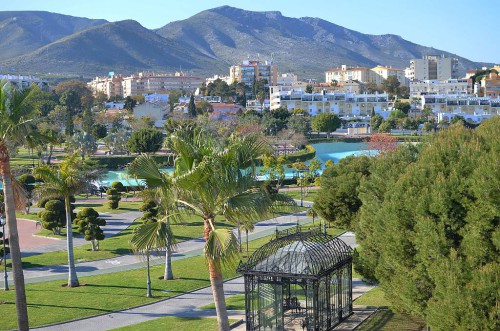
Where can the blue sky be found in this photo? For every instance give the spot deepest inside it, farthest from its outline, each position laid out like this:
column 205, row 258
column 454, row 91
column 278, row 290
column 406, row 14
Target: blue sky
column 466, row 28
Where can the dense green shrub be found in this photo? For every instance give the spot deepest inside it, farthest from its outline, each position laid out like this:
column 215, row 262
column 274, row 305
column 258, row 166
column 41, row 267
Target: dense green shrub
column 118, row 186
column 89, row 224
column 53, row 218
column 114, row 198
column 121, row 161
column 150, row 211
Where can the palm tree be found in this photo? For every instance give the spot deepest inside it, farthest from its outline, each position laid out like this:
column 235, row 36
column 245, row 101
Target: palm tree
column 156, row 235
column 68, row 179
column 210, row 183
column 16, row 128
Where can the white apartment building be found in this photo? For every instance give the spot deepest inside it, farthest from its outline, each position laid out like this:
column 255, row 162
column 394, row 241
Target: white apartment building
column 144, row 83
column 111, row 85
column 433, row 67
column 22, row 82
column 346, row 72
column 249, row 71
column 364, row 75
column 450, row 86
column 287, row 79
column 461, row 104
column 381, row 73
column 344, row 104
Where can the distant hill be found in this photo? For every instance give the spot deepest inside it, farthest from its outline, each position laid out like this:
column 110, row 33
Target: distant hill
column 303, row 45
column 25, row 31
column 123, row 47
column 206, row 43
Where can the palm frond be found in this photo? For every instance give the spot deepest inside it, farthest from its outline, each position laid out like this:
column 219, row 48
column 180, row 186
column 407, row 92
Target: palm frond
column 221, row 249
column 156, row 236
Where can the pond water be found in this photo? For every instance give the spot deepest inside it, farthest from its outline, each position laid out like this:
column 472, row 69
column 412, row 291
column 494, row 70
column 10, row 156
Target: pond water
column 334, row 151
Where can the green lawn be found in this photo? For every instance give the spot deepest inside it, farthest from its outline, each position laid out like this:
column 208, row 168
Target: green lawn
column 235, row 302
column 175, row 323
column 386, row 319
column 51, row 302
column 307, row 196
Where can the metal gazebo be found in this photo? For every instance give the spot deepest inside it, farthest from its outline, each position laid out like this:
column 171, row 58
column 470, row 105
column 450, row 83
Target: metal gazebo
column 298, row 281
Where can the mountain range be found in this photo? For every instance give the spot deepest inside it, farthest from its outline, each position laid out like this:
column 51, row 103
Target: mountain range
column 204, row 44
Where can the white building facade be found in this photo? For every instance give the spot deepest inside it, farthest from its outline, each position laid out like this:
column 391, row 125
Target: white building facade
column 433, row 67
column 344, row 104
column 470, row 107
column 450, row 86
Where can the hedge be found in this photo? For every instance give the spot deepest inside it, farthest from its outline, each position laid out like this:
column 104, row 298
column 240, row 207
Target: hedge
column 121, row 161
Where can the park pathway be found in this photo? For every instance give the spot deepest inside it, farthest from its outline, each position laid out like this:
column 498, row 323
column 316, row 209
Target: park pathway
column 115, row 223
column 185, row 305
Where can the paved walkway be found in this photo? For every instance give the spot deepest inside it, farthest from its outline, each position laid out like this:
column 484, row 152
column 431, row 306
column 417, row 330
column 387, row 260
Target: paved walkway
column 184, row 249
column 184, row 305
column 33, row 245
column 181, row 306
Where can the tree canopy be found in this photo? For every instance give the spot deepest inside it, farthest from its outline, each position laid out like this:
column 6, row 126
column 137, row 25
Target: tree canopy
column 145, row 141
column 325, row 122
column 429, row 228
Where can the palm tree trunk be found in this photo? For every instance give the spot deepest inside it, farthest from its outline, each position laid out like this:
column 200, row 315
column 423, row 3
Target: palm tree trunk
column 72, row 277
column 15, row 251
column 217, row 288
column 168, row 274
column 238, row 227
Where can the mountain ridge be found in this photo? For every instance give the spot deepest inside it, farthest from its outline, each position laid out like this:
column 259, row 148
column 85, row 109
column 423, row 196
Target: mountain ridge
column 206, row 43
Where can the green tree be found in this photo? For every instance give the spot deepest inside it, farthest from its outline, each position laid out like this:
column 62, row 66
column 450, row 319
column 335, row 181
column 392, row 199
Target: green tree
column 99, row 130
column 156, row 234
column 192, row 107
column 376, row 121
column 53, row 218
column 391, row 85
column 325, row 122
column 211, row 183
column 28, row 182
column 337, row 200
column 145, row 141
column 428, row 127
column 69, row 179
column 84, row 143
column 88, row 120
column 17, row 114
column 89, row 224
column 309, row 88
column 130, row 104
column 117, row 141
column 114, row 196
column 404, row 106
column 429, row 231
column 426, row 113
column 299, row 124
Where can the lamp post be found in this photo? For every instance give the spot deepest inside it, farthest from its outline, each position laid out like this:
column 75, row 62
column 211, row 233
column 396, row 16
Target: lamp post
column 3, row 220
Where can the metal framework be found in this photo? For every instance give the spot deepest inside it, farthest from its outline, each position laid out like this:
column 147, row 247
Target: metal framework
column 298, row 281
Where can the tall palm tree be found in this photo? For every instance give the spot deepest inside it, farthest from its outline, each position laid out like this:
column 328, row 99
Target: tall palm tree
column 210, row 183
column 68, row 179
column 156, row 235
column 16, row 127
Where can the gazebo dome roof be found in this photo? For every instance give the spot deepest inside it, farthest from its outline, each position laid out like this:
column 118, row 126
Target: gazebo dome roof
column 299, row 253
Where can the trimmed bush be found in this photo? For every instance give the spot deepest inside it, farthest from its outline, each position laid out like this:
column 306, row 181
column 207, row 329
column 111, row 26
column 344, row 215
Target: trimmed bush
column 53, row 218
column 118, row 186
column 89, row 224
column 114, row 198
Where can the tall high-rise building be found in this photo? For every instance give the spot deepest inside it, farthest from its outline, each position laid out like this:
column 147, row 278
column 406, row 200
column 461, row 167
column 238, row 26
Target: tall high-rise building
column 249, row 71
column 433, row 67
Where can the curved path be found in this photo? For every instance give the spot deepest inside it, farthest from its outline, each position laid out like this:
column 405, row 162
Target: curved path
column 184, row 305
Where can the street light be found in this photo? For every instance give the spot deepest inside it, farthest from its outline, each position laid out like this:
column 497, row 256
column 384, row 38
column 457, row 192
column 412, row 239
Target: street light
column 5, row 283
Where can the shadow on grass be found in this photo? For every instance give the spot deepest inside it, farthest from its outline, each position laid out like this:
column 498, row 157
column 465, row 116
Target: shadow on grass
column 36, row 305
